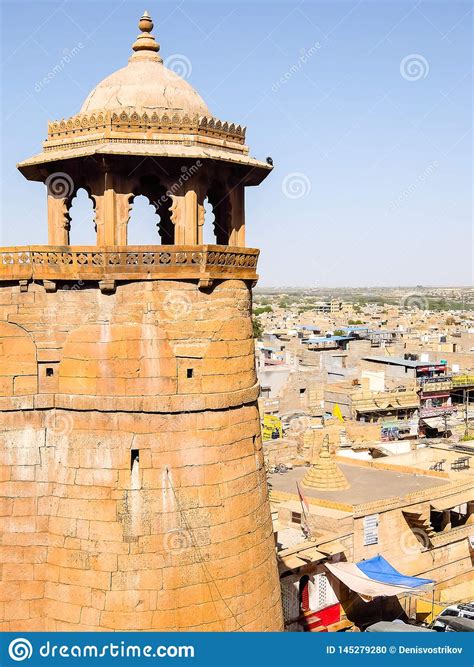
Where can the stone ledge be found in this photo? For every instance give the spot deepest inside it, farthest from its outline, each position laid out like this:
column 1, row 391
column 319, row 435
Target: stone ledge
column 153, row 404
column 453, row 535
column 97, row 263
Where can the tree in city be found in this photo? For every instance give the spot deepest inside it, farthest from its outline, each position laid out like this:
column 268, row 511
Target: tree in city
column 257, row 328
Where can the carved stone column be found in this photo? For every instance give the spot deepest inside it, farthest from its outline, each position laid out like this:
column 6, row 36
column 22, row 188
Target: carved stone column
column 122, row 208
column 201, row 187
column 187, row 209
column 58, row 220
column 112, row 208
column 191, row 215
column 237, row 206
column 106, row 212
column 178, row 215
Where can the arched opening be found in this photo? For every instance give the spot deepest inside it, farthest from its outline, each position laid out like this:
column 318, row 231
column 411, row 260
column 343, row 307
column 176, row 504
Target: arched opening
column 150, row 216
column 208, row 231
column 82, row 227
column 143, row 224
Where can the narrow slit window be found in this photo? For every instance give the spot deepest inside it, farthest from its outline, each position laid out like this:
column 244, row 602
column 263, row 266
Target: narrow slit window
column 135, row 470
column 189, row 373
column 134, row 458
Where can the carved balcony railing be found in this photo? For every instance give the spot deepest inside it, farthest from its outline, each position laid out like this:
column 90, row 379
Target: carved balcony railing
column 435, row 384
column 200, row 262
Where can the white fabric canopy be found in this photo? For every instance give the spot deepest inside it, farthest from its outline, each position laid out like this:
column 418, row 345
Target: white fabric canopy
column 360, row 583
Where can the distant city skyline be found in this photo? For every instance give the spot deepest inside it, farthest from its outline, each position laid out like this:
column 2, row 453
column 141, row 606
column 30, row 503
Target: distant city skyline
column 364, row 107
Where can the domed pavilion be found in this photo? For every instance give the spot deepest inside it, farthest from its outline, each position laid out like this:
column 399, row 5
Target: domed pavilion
column 144, row 130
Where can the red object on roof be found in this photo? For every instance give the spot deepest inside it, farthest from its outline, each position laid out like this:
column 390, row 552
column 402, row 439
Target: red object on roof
column 318, row 621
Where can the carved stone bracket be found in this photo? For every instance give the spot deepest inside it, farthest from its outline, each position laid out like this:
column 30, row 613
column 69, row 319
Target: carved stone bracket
column 107, row 286
column 50, row 286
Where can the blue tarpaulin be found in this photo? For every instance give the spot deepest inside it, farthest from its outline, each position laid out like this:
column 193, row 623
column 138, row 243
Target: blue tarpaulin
column 379, row 569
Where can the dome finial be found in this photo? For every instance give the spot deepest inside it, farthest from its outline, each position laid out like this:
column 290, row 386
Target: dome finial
column 146, row 23
column 145, row 44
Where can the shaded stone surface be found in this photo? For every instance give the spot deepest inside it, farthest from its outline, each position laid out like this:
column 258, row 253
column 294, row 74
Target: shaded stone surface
column 182, row 541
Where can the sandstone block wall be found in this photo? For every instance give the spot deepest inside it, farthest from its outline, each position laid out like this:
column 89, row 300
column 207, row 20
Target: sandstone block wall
column 401, row 547
column 132, row 488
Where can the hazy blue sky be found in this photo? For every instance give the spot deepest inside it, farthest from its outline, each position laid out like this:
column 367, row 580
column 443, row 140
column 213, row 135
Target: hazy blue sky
column 365, row 108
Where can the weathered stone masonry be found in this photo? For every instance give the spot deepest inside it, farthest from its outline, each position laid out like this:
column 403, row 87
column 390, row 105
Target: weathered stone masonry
column 132, row 489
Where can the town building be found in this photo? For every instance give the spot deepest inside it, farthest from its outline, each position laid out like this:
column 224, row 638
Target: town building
column 416, row 514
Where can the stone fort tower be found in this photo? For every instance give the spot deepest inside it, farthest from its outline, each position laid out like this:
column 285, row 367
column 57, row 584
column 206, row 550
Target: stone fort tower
column 133, row 491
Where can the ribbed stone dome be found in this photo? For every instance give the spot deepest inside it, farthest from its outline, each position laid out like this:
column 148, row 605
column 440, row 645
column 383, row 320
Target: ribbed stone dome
column 145, row 84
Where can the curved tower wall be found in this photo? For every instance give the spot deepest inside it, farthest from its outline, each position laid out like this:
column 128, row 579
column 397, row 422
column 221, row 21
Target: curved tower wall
column 133, row 492
column 132, row 489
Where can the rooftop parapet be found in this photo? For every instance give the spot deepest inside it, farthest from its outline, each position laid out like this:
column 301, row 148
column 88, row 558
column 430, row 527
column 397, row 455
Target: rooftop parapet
column 204, row 263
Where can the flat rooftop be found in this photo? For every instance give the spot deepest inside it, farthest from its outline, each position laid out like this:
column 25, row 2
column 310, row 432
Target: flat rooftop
column 400, row 361
column 366, row 484
column 424, row 457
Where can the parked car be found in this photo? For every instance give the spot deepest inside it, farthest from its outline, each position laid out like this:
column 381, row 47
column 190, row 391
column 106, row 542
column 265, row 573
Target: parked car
column 395, row 626
column 460, row 625
column 453, row 611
